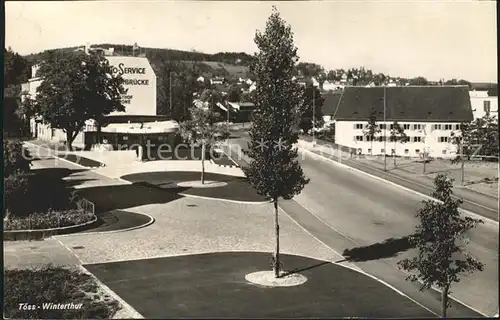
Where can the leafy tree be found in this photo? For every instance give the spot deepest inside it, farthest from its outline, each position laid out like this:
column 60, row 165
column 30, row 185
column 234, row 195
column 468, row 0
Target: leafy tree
column 274, row 171
column 77, row 87
column 372, row 128
column 485, row 133
column 26, row 111
column 306, row 119
column 441, row 258
column 202, row 130
column 419, row 81
column 234, row 93
column 397, row 135
column 463, row 140
column 16, row 158
column 493, row 90
column 461, row 82
column 15, row 191
column 308, row 69
column 211, row 98
column 331, row 76
column 16, row 68
column 16, row 163
column 182, row 88
column 248, row 96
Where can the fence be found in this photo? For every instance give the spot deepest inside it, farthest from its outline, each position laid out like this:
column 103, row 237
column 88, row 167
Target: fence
column 332, row 145
column 88, row 206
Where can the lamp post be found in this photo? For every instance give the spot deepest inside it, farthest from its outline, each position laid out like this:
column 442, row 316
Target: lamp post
column 314, row 114
column 228, row 132
column 385, row 132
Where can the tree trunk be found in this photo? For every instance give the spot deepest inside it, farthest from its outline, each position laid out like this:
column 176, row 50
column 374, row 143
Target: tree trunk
column 202, row 163
column 462, row 181
column 276, row 266
column 394, row 155
column 444, row 301
column 371, row 146
column 69, row 140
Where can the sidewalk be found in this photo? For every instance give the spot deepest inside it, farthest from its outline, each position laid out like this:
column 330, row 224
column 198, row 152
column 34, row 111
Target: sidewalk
column 28, row 254
column 473, row 180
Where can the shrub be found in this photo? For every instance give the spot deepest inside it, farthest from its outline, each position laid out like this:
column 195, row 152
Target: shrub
column 16, row 158
column 15, row 190
column 48, row 220
column 54, row 285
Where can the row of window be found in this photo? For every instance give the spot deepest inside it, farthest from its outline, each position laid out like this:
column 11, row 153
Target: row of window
column 407, row 151
column 385, row 138
column 413, row 127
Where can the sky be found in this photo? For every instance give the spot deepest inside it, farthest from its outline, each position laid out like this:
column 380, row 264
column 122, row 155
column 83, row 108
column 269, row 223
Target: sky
column 435, row 39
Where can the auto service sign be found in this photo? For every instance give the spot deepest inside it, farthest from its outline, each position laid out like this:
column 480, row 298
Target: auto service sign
column 139, row 84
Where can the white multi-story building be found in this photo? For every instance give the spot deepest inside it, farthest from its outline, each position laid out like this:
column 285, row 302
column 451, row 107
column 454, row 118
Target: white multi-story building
column 482, row 104
column 430, row 116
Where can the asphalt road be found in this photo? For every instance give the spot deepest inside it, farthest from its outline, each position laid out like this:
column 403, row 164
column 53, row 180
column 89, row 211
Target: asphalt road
column 364, row 211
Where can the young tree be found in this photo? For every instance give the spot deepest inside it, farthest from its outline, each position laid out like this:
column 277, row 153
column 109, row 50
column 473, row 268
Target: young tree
column 275, row 172
column 211, row 97
column 397, row 135
column 441, row 258
column 312, row 100
column 203, row 130
column 463, row 140
column 77, row 87
column 372, row 128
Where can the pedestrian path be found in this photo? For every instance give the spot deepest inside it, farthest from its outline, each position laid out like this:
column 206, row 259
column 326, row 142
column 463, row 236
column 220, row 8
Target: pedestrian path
column 28, row 254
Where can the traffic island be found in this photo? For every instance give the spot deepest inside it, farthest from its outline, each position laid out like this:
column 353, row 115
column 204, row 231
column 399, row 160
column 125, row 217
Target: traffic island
column 188, row 183
column 268, row 279
column 214, row 285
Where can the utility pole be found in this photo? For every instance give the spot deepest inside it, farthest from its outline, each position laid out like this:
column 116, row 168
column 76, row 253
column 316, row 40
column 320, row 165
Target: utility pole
column 385, row 132
column 228, row 132
column 425, row 152
column 462, row 173
column 314, row 114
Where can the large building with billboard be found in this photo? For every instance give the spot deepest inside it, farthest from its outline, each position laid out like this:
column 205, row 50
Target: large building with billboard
column 138, row 97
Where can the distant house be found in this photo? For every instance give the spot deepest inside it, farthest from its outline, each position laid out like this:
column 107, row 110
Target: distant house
column 249, row 82
column 218, row 80
column 200, row 79
column 483, row 104
column 315, row 82
column 253, row 87
column 332, row 86
column 428, row 114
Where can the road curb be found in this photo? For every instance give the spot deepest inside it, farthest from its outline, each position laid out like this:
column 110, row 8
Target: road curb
column 53, row 154
column 224, row 200
column 467, row 212
column 132, row 312
column 150, row 222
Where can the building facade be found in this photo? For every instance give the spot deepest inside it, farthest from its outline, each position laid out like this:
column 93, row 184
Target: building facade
column 138, row 96
column 430, row 116
column 483, row 104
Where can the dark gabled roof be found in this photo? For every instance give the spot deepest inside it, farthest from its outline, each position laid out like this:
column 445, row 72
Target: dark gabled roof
column 331, row 103
column 410, row 103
